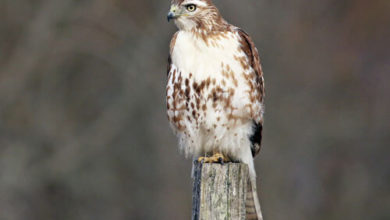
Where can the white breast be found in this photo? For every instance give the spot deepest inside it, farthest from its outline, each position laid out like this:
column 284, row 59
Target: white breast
column 192, row 54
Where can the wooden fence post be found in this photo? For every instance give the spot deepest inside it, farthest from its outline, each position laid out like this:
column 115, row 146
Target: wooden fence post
column 220, row 191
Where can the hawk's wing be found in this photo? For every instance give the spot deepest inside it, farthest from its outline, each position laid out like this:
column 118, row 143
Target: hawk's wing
column 252, row 54
column 171, row 46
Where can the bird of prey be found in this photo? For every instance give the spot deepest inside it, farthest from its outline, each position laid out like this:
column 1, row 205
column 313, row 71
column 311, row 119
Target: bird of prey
column 215, row 88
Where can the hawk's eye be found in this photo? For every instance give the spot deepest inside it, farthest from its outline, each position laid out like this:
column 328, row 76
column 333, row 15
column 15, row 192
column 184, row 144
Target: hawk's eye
column 191, row 7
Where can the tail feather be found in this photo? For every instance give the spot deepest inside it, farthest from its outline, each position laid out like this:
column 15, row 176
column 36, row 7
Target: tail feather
column 252, row 204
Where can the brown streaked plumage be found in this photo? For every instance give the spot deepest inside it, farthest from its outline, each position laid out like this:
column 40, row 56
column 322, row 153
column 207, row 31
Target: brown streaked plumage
column 215, row 89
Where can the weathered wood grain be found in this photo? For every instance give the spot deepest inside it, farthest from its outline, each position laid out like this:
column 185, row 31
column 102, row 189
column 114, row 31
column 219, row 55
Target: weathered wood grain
column 219, row 191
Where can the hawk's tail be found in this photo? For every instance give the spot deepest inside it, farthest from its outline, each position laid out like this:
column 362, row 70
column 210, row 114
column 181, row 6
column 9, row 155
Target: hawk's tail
column 252, row 204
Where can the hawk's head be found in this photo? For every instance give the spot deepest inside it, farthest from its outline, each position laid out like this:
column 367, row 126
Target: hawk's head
column 195, row 14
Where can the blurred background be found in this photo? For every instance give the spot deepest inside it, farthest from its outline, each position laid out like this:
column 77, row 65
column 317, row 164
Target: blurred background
column 83, row 130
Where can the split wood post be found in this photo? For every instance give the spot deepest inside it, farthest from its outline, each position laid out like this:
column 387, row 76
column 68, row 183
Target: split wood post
column 219, row 191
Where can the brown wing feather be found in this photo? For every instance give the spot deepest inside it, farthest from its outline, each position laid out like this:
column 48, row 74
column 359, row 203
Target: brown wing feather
column 248, row 46
column 171, row 46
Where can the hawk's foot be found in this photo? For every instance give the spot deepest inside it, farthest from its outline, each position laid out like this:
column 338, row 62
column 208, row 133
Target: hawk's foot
column 216, row 158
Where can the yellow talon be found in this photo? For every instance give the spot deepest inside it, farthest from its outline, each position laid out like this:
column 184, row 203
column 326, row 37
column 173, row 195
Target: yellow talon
column 216, row 158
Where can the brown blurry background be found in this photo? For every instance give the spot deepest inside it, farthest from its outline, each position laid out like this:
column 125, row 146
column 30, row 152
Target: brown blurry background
column 83, row 131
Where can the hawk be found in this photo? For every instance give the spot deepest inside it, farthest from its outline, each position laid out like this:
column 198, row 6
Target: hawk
column 215, row 88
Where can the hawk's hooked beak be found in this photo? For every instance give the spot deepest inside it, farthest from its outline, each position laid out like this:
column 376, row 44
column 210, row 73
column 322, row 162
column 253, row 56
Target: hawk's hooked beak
column 172, row 13
column 170, row 16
